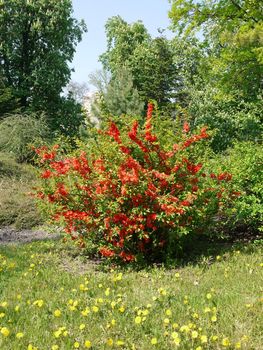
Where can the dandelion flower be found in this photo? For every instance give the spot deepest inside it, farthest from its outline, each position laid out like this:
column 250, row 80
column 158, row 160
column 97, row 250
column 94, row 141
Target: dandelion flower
column 57, row 313
column 154, row 341
column 109, row 342
column 194, row 334
column 5, row 331
column 138, row 320
column 88, row 344
column 19, row 335
column 225, row 342
column 203, row 339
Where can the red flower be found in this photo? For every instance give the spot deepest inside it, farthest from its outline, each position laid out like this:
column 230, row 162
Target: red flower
column 186, row 127
column 114, row 132
column 46, row 174
column 104, row 251
column 127, row 257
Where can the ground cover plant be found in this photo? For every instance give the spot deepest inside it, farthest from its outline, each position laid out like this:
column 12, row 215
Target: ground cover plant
column 49, row 300
column 133, row 196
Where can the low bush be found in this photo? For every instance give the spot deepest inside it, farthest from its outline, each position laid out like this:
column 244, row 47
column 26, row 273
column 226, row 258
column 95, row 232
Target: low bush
column 130, row 195
column 245, row 162
column 16, row 206
column 19, row 133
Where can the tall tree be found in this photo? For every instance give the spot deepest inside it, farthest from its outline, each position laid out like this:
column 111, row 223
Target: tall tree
column 150, row 61
column 37, row 41
column 233, row 33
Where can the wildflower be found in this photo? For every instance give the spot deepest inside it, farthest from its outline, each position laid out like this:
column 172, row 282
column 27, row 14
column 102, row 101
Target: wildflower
column 120, row 343
column 88, row 344
column 214, row 318
column 203, row 339
column 199, row 348
column 168, row 312
column 194, row 334
column 38, row 303
column 95, row 309
column 54, row 347
column 82, row 326
column 214, row 338
column 76, row 345
column 185, row 329
column 174, row 335
column 19, row 335
column 57, row 313
column 5, row 331
column 154, row 341
column 109, row 342
column 225, row 342
column 166, row 321
column 138, row 320
column 238, row 345
column 208, row 296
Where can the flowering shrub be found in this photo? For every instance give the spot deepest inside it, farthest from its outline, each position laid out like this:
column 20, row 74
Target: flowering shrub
column 136, row 197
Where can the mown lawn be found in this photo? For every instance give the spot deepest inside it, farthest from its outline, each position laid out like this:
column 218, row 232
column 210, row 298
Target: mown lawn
column 50, row 300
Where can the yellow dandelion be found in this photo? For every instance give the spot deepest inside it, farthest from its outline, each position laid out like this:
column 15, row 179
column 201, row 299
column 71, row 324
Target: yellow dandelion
column 76, row 345
column 19, row 335
column 95, row 309
column 110, row 342
column 88, row 344
column 174, row 335
column 82, row 326
column 194, row 334
column 208, row 296
column 168, row 312
column 2, row 314
column 214, row 318
column 199, row 348
column 57, row 313
column 225, row 342
column 238, row 345
column 5, row 331
column 214, row 338
column 154, row 341
column 54, row 347
column 138, row 320
column 166, row 321
column 122, row 309
column 203, row 339
column 85, row 312
column 120, row 342
column 177, row 275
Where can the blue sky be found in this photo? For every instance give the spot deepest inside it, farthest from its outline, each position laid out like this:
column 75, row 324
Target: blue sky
column 153, row 13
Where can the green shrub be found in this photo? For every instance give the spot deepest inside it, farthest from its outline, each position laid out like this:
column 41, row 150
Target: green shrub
column 245, row 162
column 19, row 132
column 16, row 206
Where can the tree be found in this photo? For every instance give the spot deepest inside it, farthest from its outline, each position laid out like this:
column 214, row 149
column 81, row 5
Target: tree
column 150, row 61
column 77, row 91
column 117, row 96
column 37, row 41
column 233, row 32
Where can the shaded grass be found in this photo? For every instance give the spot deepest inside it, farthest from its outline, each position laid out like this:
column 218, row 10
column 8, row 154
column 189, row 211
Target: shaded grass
column 217, row 296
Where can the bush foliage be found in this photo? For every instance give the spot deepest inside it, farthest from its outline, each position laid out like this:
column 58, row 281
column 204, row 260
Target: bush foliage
column 133, row 197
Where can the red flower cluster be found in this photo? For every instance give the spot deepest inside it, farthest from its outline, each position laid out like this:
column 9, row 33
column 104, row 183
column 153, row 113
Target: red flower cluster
column 127, row 207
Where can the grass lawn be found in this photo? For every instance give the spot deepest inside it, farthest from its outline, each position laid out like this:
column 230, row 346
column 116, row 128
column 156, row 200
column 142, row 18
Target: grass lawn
column 51, row 300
